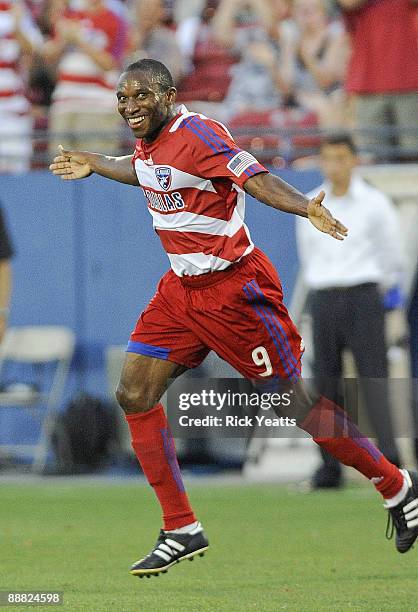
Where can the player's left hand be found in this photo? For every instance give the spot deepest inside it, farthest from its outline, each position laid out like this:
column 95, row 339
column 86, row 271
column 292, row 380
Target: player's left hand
column 322, row 219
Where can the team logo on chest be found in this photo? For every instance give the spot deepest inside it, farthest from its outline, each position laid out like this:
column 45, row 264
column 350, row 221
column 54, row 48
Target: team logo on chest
column 164, row 177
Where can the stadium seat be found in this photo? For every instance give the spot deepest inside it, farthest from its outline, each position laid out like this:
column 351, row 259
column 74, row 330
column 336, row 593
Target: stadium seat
column 273, row 133
column 45, row 351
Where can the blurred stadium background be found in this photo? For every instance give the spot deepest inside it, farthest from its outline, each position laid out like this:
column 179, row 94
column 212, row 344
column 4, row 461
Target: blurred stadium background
column 279, row 73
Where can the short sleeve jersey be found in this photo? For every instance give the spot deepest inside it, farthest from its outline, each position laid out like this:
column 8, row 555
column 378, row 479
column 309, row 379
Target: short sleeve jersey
column 193, row 178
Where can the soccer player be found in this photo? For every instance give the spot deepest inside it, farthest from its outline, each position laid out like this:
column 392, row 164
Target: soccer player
column 221, row 294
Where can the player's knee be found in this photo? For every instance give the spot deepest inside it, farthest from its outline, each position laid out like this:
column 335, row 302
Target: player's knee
column 134, row 399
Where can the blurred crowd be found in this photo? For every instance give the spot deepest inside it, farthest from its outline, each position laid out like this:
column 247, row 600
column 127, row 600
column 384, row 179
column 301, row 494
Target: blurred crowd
column 262, row 66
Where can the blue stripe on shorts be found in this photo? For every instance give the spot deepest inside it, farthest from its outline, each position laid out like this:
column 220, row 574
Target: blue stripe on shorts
column 148, row 350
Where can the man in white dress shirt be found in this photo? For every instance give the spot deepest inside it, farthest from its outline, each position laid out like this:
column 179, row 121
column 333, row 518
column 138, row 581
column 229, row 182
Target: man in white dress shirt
column 347, row 284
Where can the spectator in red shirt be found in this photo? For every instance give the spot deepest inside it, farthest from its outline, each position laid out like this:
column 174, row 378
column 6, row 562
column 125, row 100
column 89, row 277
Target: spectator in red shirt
column 383, row 71
column 89, row 45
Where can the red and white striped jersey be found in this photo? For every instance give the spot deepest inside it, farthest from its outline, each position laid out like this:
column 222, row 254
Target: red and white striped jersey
column 80, row 79
column 193, row 176
column 12, row 96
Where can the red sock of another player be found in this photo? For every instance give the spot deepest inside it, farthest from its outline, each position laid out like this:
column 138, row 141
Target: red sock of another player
column 154, row 446
column 333, row 430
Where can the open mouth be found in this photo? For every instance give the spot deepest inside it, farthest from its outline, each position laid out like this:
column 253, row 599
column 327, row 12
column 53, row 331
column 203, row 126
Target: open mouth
column 135, row 122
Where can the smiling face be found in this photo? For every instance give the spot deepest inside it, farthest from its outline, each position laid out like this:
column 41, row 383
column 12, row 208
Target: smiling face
column 144, row 103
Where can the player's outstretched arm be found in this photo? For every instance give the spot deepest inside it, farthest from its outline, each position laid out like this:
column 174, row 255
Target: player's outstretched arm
column 72, row 165
column 271, row 190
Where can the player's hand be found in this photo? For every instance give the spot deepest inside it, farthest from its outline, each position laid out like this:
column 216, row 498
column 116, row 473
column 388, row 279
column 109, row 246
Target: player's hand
column 71, row 165
column 322, row 219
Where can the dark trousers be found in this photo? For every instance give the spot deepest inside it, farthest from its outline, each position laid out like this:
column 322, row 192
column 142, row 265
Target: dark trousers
column 353, row 318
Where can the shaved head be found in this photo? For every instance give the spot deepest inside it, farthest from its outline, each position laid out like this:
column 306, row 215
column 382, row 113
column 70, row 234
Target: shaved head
column 157, row 72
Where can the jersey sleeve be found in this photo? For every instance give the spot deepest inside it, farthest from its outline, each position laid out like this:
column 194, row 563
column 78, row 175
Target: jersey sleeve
column 216, row 155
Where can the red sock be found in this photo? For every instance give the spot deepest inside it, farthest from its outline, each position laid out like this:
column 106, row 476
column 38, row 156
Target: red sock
column 154, row 446
column 333, row 430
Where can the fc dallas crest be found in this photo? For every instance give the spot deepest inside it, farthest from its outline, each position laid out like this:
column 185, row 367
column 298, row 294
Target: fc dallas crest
column 164, row 177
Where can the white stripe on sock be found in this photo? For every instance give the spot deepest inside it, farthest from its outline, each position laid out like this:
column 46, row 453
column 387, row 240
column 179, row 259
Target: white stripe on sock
column 186, row 529
column 196, row 530
column 394, row 501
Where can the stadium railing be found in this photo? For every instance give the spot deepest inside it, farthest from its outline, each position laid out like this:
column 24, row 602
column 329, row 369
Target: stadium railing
column 279, row 145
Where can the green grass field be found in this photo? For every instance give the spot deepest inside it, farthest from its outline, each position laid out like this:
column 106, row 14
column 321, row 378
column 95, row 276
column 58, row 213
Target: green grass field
column 271, row 549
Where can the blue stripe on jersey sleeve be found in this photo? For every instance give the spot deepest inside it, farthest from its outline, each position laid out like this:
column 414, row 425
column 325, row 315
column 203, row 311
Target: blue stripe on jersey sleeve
column 211, row 139
column 255, row 168
column 210, row 144
column 148, row 350
column 215, row 142
column 204, row 127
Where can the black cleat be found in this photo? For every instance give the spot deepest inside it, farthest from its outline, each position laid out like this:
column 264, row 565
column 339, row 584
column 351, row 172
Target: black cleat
column 327, row 477
column 169, row 549
column 403, row 518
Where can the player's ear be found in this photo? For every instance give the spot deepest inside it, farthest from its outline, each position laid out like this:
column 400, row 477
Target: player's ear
column 171, row 95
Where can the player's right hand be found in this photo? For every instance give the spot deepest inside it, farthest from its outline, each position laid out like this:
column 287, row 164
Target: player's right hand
column 71, row 165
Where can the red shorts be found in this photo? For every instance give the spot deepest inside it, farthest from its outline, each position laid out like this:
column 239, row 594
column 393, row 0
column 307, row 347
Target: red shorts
column 238, row 313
